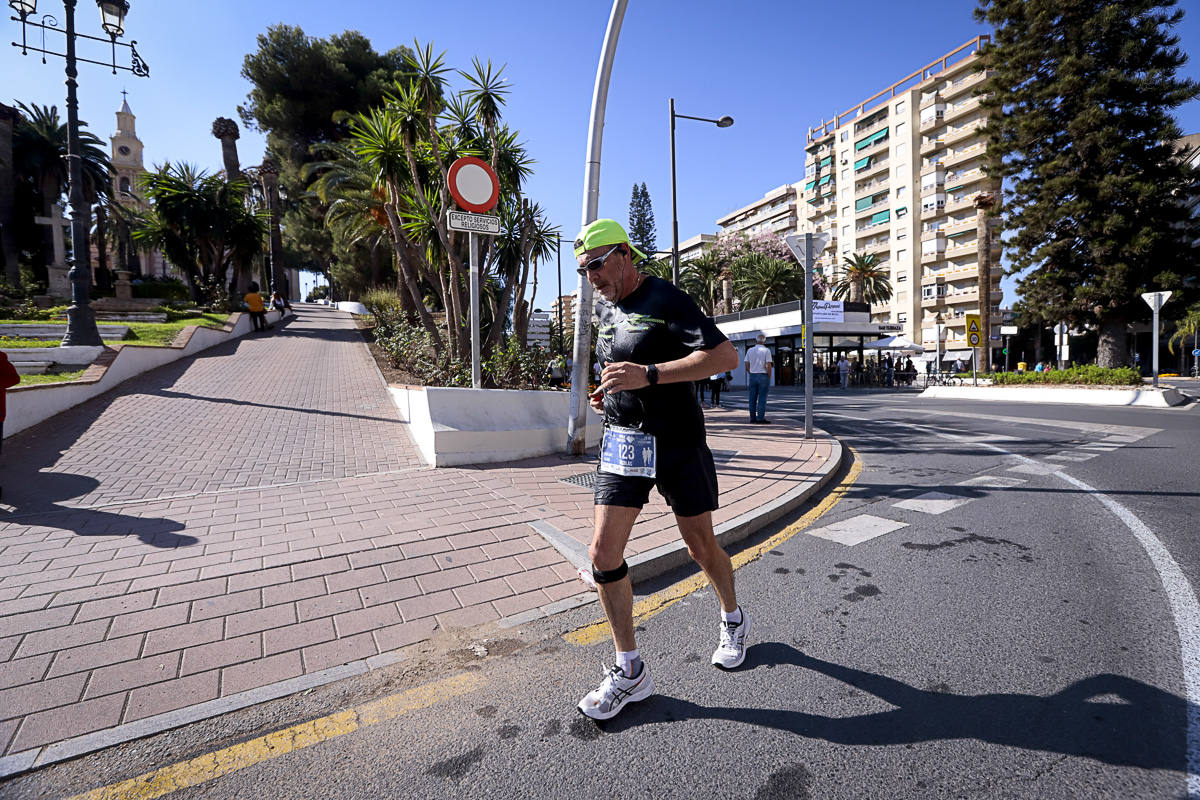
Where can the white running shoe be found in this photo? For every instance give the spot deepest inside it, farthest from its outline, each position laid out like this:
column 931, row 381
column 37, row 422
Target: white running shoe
column 731, row 651
column 615, row 691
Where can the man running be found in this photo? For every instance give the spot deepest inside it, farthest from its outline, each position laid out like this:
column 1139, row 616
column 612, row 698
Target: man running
column 653, row 343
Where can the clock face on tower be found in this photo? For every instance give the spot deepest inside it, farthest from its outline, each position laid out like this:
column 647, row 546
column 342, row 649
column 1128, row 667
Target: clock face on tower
column 123, row 150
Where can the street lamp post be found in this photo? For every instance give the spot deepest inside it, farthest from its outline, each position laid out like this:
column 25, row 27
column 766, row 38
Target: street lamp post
column 81, row 320
column 939, row 321
column 723, row 122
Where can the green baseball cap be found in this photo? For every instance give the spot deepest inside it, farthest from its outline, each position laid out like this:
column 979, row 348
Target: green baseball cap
column 601, row 232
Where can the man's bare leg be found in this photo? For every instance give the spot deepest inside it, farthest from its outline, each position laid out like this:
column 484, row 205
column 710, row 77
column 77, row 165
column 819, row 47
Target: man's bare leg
column 698, row 535
column 613, row 524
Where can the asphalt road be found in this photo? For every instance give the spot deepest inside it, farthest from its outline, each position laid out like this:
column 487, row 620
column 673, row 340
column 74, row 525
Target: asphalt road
column 998, row 632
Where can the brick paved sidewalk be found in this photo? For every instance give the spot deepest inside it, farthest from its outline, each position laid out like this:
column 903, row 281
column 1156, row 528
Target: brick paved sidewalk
column 258, row 513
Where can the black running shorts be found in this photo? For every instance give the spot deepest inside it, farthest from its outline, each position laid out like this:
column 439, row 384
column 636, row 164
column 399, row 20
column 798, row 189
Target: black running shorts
column 687, row 480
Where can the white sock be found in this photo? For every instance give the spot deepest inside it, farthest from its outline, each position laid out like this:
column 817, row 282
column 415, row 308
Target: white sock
column 629, row 662
column 733, row 617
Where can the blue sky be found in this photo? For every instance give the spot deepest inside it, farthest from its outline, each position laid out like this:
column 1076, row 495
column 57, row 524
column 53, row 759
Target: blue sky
column 772, row 64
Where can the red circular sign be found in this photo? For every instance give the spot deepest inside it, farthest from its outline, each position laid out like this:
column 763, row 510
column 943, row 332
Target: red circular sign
column 474, row 184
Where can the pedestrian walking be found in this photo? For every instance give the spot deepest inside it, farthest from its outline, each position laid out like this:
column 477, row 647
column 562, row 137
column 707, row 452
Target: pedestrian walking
column 758, row 368
column 715, row 384
column 256, row 307
column 654, row 343
column 8, row 379
column 844, row 370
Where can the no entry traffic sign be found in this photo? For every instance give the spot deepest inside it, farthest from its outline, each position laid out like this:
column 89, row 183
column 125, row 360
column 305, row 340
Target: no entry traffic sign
column 473, row 184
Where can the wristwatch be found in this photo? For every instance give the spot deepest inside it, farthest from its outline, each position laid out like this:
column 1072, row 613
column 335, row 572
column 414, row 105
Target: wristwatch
column 652, row 374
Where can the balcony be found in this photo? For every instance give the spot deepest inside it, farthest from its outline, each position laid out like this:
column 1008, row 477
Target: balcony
column 873, row 167
column 930, row 145
column 960, row 201
column 869, row 126
column 966, row 177
column 879, row 146
column 933, row 181
column 959, row 225
column 870, row 187
column 871, row 209
column 964, row 84
column 880, row 245
column 932, row 256
column 963, row 132
column 965, row 154
column 958, row 110
column 934, row 121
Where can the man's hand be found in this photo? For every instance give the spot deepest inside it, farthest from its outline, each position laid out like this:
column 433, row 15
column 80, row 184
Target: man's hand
column 623, row 376
column 596, row 401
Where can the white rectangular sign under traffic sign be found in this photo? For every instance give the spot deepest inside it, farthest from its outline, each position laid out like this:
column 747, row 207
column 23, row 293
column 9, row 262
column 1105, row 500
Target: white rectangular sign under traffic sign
column 1009, row 330
column 473, row 223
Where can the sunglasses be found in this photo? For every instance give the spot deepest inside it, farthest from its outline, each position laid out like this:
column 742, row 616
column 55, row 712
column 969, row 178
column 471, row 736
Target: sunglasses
column 597, row 262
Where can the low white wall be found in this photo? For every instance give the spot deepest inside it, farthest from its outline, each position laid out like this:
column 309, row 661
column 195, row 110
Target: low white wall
column 452, row 426
column 29, row 405
column 75, row 356
column 353, row 307
column 1161, row 398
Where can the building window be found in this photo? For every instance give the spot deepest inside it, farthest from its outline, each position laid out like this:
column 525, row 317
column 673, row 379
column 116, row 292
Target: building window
column 125, row 185
column 901, row 277
column 845, row 176
column 902, row 317
column 901, row 255
column 901, row 149
column 899, row 129
column 900, row 107
column 845, row 135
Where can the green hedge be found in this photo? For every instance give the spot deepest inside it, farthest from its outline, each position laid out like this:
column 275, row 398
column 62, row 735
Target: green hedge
column 1089, row 375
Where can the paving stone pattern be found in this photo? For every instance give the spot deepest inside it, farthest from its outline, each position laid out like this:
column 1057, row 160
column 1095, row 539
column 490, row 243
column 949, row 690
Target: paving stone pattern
column 259, row 512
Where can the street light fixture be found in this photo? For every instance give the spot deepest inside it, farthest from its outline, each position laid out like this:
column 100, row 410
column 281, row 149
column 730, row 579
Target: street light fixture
column 723, row 122
column 939, row 321
column 81, row 320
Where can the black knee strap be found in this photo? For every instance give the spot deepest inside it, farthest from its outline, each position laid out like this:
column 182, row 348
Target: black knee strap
column 610, row 575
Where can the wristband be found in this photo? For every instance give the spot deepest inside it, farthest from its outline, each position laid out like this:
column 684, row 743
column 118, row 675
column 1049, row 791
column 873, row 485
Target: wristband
column 652, row 374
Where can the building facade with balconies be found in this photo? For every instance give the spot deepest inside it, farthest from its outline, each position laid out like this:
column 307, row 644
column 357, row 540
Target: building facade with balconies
column 775, row 213
column 897, row 176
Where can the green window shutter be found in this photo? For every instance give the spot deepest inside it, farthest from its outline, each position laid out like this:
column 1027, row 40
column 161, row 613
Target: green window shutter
column 810, row 184
column 862, row 162
column 882, row 216
column 825, row 180
column 956, row 188
column 826, row 161
column 861, row 204
column 880, row 196
column 878, row 136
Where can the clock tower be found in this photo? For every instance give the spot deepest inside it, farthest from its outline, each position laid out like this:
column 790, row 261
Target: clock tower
column 126, row 157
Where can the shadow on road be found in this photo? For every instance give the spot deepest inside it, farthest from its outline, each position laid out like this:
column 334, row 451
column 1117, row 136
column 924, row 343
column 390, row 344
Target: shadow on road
column 1108, row 718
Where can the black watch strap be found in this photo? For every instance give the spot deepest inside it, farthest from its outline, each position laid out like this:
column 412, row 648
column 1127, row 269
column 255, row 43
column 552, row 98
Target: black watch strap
column 652, row 374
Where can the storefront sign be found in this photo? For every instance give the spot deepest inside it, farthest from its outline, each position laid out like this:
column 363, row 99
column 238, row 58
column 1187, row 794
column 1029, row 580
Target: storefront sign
column 828, row 311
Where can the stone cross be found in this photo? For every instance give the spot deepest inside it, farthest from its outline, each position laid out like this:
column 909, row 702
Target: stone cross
column 57, row 272
column 59, row 224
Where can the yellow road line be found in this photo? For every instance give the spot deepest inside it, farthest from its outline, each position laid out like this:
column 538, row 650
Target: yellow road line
column 239, row 756
column 647, row 607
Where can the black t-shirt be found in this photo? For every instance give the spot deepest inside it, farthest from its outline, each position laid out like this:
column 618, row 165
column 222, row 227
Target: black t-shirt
column 654, row 324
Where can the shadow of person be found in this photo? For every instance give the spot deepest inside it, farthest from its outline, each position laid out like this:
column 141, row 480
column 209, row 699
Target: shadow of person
column 38, row 502
column 1109, row 718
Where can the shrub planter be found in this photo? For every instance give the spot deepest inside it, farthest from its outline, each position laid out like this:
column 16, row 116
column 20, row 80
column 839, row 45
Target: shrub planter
column 453, row 426
column 1052, row 393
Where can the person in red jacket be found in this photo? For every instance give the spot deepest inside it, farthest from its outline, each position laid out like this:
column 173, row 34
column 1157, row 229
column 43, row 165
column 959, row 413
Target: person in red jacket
column 8, row 377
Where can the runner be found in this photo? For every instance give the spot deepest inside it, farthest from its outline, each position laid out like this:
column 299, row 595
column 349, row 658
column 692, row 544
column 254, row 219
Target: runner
column 653, row 343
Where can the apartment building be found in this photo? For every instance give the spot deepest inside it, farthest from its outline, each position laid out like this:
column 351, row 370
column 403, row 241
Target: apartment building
column 897, row 176
column 565, row 306
column 775, row 213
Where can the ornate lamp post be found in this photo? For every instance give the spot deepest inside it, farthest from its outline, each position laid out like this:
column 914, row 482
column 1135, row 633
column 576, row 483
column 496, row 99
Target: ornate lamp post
column 269, row 173
column 723, row 122
column 81, row 320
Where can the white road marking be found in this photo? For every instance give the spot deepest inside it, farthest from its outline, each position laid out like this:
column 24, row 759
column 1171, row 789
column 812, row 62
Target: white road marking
column 933, row 502
column 1035, row 468
column 992, row 482
column 1072, row 456
column 857, row 530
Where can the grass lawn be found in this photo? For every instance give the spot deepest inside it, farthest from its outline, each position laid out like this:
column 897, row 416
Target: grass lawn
column 28, row 380
column 146, row 333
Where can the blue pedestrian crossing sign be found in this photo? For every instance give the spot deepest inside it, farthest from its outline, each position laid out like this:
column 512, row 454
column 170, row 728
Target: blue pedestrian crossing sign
column 1196, row 352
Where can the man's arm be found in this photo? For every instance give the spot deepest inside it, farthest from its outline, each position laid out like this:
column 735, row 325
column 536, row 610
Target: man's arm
column 625, row 375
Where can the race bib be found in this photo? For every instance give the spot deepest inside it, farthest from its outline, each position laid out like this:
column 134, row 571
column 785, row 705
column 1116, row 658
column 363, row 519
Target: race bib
column 625, row 451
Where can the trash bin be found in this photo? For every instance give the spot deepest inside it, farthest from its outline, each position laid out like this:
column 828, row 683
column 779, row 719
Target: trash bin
column 1022, row 366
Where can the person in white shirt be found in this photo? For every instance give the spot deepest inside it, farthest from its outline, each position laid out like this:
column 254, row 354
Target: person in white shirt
column 844, row 371
column 758, row 369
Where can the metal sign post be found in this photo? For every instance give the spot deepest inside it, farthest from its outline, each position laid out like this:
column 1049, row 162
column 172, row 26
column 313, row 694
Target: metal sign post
column 805, row 249
column 475, row 187
column 1156, row 300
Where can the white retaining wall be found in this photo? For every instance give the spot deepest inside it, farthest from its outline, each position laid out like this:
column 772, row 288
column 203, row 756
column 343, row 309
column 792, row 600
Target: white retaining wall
column 453, row 426
column 29, row 405
column 1161, row 398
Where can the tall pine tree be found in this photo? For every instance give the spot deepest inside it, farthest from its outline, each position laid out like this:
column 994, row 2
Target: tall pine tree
column 1081, row 93
column 641, row 221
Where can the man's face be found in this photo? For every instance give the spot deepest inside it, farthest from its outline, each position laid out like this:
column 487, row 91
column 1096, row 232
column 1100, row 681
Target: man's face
column 610, row 279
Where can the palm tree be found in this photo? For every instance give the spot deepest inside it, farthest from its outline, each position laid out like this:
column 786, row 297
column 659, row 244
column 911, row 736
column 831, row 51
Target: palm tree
column 760, row 280
column 1188, row 326
column 200, row 222
column 39, row 156
column 701, row 279
column 863, row 280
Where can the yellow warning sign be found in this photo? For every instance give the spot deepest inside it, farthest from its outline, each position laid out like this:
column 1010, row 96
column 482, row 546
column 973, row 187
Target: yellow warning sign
column 974, row 339
column 973, row 324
